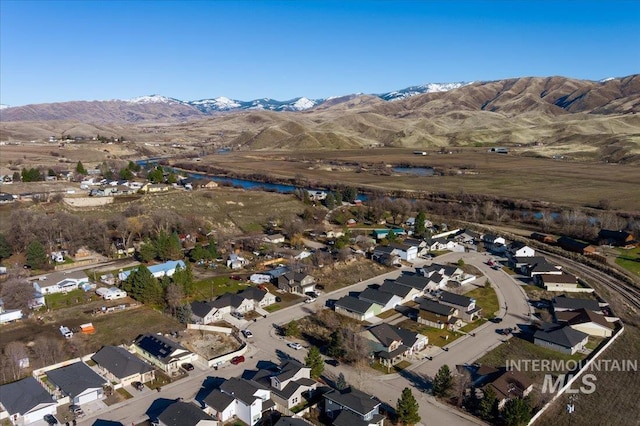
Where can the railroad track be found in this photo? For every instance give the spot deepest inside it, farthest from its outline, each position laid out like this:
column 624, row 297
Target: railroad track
column 627, row 291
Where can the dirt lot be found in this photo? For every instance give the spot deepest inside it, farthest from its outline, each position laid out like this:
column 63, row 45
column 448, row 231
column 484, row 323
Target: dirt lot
column 208, row 344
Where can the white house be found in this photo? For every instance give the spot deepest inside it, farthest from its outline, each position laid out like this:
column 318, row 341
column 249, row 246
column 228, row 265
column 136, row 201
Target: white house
column 405, row 251
column 60, row 282
column 586, row 321
column 26, row 401
column 251, row 401
column 561, row 338
column 235, row 261
column 163, row 269
column 111, row 293
column 518, row 249
column 162, row 352
column 9, row 315
column 78, row 381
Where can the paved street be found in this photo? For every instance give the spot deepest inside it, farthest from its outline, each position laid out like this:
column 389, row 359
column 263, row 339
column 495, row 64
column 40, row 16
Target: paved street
column 267, row 345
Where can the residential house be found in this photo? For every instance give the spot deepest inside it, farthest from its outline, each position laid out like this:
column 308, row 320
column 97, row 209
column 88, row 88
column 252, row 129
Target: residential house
column 385, row 255
column 205, row 312
column 273, row 239
column 356, row 407
column 616, row 238
column 290, row 384
column 26, row 401
column 121, row 366
column 415, row 281
column 569, row 244
column 560, row 338
column 9, row 315
column 406, row 293
column 437, row 315
column 509, row 385
column 436, row 244
column 252, row 400
column 236, row 261
column 296, row 282
column 543, row 238
column 154, row 188
column 390, row 345
column 260, row 298
column 316, row 195
column 291, row 421
column 221, row 406
column 60, row 282
column 535, row 265
column 405, row 251
column 260, row 278
column 180, row 413
column 162, row 352
column 557, row 282
column 163, row 269
column 494, row 243
column 355, row 308
column 414, row 341
column 586, row 321
column 111, row 293
column 420, row 244
column 385, row 300
column 518, row 249
column 230, row 302
column 379, row 234
column 466, row 306
column 78, row 381
column 564, row 303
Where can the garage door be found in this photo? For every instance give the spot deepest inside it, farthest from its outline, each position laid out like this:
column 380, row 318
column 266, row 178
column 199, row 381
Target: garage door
column 87, row 397
column 36, row 415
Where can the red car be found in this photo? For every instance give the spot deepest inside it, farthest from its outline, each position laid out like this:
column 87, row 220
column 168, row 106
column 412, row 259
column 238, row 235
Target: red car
column 237, row 360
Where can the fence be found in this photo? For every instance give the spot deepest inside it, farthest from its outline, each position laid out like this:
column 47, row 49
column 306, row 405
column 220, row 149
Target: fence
column 217, row 329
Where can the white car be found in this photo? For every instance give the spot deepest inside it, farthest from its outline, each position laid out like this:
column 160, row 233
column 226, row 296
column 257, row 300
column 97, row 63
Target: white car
column 247, row 333
column 310, row 300
column 294, row 345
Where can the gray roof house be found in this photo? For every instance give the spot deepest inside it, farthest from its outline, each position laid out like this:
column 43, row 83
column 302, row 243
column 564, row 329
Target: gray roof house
column 181, row 413
column 289, row 384
column 121, row 366
column 26, row 401
column 437, row 315
column 563, row 303
column 252, row 399
column 78, row 381
column 355, row 308
column 560, row 338
column 405, row 293
column 162, row 352
column 466, row 305
column 386, row 300
column 295, row 282
column 362, row 406
column 391, row 345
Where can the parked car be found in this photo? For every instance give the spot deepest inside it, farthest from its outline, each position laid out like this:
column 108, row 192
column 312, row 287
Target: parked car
column 237, row 360
column 247, row 333
column 236, row 277
column 238, row 315
column 76, row 410
column 188, row 366
column 50, row 419
column 294, row 345
column 333, row 362
column 309, row 300
column 312, row 294
column 138, row 385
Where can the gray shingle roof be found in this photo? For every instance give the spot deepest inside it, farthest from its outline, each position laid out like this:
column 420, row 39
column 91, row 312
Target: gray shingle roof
column 120, row 362
column 394, row 288
column 228, row 299
column 183, row 414
column 385, row 334
column 290, row 421
column 201, row 309
column 242, row 389
column 561, row 336
column 253, row 293
column 455, row 299
column 24, row 395
column 218, row 400
column 354, row 400
column 564, row 302
column 75, row 378
column 347, row 418
column 375, row 296
column 418, row 282
column 353, row 304
column 435, row 307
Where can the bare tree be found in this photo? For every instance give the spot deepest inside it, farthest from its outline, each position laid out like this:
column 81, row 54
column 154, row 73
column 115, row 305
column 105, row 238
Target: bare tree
column 174, row 297
column 462, row 382
column 292, row 227
column 15, row 352
column 16, row 293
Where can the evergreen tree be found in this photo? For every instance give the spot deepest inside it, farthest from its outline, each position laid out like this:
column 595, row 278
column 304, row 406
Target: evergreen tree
column 292, row 329
column 517, row 412
column 16, row 177
column 5, row 248
column 341, row 383
column 443, row 381
column 184, row 278
column 419, row 227
column 80, row 168
column 133, row 166
column 338, row 198
column 126, row 174
column 156, row 175
column 407, row 408
column 392, row 236
column 199, row 253
column 336, row 345
column 315, row 362
column 349, row 194
column 144, row 287
column 212, row 248
column 183, row 313
column 36, row 255
column 147, row 251
column 486, row 405
column 330, row 201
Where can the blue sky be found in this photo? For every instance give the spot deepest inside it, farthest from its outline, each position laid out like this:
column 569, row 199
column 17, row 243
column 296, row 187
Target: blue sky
column 52, row 51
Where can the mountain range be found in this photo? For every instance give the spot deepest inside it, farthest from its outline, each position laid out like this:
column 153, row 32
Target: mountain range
column 569, row 117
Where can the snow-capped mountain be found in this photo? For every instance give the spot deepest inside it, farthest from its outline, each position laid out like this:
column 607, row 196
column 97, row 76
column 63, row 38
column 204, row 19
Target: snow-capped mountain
column 154, row 99
column 3, row 106
column 419, row 90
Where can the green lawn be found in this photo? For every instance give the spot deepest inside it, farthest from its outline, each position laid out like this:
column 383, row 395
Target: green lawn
column 389, row 370
column 64, row 300
column 217, row 286
column 436, row 336
column 630, row 260
column 387, row 314
column 472, row 326
column 487, row 299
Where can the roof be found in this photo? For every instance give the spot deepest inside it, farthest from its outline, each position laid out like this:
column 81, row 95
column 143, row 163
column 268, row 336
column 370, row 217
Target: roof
column 393, row 288
column 378, row 250
column 562, row 336
column 276, row 272
column 289, row 369
column 354, row 400
column 353, row 304
column 253, row 293
column 228, row 299
column 435, row 307
column 347, row 418
column 455, row 299
column 376, row 296
column 571, row 244
column 290, row 421
column 408, row 337
column 159, row 346
column 618, row 236
column 75, row 378
column 582, row 316
column 218, row 400
column 563, row 278
column 23, row 395
column 120, row 362
column 385, row 334
column 416, row 281
column 510, row 384
column 241, row 389
column 154, row 269
column 183, row 414
column 201, row 309
column 564, row 302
